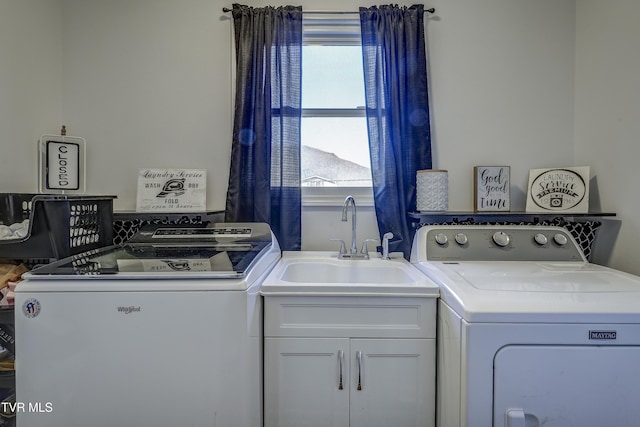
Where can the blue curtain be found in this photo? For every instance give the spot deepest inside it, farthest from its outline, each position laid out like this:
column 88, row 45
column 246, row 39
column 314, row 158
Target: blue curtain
column 264, row 181
column 395, row 74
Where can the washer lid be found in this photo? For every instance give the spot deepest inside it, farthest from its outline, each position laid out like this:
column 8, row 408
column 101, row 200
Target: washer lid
column 163, row 252
column 529, row 291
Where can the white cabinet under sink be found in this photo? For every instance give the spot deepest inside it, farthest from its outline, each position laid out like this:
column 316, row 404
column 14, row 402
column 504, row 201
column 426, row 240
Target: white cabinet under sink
column 349, row 361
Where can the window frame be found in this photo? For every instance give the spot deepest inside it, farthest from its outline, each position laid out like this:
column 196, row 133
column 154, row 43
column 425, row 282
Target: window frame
column 330, row 29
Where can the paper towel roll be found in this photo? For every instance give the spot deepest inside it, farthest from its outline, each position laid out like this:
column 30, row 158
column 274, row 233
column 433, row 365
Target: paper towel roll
column 432, row 190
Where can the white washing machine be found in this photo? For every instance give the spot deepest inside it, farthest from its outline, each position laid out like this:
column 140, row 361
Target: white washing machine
column 529, row 332
column 165, row 331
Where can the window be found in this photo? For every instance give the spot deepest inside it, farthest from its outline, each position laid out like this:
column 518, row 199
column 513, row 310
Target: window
column 335, row 146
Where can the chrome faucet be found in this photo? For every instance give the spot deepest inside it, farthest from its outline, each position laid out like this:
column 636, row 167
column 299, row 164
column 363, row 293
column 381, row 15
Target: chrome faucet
column 353, row 252
column 351, row 201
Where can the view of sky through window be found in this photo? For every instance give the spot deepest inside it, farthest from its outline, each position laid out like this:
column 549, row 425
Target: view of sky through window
column 339, row 68
column 332, row 79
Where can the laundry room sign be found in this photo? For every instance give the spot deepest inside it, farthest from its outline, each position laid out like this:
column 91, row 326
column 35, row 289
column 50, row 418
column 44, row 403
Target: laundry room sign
column 171, row 190
column 558, row 190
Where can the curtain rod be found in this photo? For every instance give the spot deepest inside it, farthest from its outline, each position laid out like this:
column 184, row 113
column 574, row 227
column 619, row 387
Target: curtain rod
column 328, row 12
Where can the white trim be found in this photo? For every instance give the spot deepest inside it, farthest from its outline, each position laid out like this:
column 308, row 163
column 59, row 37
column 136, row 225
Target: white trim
column 334, row 196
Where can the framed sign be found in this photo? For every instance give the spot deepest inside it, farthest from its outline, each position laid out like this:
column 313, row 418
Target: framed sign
column 61, row 164
column 491, row 188
column 171, row 190
column 558, row 190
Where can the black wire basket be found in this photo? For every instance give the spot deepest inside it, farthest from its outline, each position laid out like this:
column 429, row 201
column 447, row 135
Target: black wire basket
column 59, row 225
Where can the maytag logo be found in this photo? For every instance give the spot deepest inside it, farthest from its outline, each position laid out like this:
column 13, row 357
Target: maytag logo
column 603, row 335
column 129, row 310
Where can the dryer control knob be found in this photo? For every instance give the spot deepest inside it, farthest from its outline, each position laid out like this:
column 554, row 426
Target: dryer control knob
column 501, row 238
column 540, row 239
column 441, row 239
column 560, row 239
column 461, row 239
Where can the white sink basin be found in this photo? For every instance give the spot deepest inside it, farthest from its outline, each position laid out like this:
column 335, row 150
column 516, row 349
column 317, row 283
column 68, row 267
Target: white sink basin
column 353, row 272
column 312, row 272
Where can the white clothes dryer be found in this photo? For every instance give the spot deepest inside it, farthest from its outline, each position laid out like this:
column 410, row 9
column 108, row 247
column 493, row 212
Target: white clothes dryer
column 529, row 332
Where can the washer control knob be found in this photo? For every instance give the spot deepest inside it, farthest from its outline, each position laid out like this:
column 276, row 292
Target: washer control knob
column 461, row 239
column 441, row 239
column 560, row 239
column 501, row 238
column 540, row 239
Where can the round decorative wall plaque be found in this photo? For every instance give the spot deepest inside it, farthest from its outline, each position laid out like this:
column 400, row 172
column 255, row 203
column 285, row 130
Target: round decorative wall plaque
column 558, row 190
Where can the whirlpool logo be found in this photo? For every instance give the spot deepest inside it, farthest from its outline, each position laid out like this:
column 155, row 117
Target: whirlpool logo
column 129, row 309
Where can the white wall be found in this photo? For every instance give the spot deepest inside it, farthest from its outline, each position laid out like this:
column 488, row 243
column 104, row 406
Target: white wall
column 607, row 123
column 501, row 83
column 148, row 84
column 30, row 87
column 501, row 89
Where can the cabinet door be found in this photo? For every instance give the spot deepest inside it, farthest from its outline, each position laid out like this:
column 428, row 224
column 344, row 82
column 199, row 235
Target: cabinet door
column 302, row 382
column 397, row 382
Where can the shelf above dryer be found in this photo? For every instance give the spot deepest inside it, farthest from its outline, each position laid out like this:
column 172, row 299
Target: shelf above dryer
column 500, row 217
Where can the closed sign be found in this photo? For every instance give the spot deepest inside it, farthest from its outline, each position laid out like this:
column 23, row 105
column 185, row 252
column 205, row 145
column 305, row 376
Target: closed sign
column 63, row 165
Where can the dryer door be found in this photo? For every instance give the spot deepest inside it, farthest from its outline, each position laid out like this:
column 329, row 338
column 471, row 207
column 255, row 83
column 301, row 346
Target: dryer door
column 565, row 386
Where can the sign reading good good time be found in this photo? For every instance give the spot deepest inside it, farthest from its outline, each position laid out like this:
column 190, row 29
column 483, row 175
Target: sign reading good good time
column 491, row 188
column 558, row 190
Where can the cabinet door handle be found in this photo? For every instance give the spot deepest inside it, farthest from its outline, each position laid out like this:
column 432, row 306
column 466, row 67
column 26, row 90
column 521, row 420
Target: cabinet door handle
column 359, row 361
column 340, row 363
